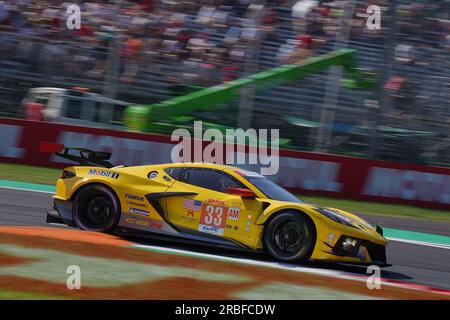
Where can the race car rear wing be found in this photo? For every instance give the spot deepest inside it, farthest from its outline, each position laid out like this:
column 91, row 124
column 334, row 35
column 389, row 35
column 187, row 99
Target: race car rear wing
column 85, row 157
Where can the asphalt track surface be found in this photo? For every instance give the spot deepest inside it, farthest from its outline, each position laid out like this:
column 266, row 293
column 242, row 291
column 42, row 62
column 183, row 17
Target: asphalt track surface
column 414, row 263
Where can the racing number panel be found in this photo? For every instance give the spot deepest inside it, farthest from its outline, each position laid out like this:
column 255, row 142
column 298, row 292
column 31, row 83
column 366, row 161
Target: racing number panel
column 210, row 212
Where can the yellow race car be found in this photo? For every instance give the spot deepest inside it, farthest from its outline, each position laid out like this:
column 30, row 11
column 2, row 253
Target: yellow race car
column 215, row 204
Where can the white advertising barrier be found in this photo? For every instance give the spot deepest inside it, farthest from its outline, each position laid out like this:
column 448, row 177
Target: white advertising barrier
column 302, row 172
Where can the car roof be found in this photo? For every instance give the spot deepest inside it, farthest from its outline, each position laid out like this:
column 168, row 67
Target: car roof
column 146, row 168
column 190, row 164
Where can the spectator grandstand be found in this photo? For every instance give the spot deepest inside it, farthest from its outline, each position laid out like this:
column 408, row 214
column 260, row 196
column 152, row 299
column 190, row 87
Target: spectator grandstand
column 150, row 50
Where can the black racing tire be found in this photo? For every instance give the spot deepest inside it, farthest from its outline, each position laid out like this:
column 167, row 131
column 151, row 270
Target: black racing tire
column 290, row 236
column 96, row 208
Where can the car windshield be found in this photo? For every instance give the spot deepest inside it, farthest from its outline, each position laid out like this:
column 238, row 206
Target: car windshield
column 272, row 190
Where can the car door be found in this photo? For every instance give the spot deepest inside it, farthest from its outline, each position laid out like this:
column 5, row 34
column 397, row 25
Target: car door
column 200, row 203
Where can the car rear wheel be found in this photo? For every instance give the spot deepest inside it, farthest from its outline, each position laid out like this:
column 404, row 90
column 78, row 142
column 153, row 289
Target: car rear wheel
column 290, row 236
column 96, row 208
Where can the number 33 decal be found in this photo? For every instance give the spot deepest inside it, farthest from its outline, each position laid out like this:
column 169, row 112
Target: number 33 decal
column 213, row 215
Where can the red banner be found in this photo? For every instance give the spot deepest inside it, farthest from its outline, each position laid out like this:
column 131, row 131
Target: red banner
column 302, row 172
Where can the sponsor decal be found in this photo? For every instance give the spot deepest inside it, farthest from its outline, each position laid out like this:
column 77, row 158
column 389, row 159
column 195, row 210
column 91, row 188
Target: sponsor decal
column 153, row 175
column 137, row 222
column 210, row 229
column 192, row 205
column 188, row 218
column 148, row 224
column 139, row 211
column 135, row 201
column 248, row 222
column 155, row 225
column 233, row 213
column 103, row 173
column 213, row 219
column 330, row 238
column 215, row 201
column 137, row 204
column 190, row 213
column 134, row 197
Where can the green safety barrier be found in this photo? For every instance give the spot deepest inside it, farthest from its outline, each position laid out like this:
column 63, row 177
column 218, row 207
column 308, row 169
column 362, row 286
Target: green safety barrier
column 165, row 116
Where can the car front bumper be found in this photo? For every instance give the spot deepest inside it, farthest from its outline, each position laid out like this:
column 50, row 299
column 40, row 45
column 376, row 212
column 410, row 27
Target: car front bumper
column 344, row 244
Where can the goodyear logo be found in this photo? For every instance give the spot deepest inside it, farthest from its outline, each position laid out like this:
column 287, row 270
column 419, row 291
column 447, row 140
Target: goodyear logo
column 103, row 173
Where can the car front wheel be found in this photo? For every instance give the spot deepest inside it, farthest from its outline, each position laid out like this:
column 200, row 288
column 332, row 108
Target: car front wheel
column 290, row 236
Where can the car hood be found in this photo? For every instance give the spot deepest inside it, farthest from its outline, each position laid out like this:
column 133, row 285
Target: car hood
column 352, row 218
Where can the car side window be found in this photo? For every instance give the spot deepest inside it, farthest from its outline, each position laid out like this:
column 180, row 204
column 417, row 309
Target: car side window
column 174, row 172
column 210, row 179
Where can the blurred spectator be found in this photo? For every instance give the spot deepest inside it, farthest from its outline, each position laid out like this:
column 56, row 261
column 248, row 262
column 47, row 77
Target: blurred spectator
column 405, row 53
column 295, row 50
column 131, row 53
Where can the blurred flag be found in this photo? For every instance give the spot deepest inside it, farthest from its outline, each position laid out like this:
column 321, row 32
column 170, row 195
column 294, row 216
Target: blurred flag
column 193, row 205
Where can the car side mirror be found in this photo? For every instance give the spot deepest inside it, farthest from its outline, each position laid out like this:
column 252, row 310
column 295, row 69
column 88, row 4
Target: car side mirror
column 244, row 193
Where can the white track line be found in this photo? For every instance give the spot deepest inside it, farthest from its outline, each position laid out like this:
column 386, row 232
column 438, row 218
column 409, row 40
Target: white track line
column 277, row 265
column 422, row 243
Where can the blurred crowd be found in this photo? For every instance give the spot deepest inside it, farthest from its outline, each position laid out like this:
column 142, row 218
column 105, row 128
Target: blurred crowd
column 422, row 44
column 211, row 41
column 206, row 42
column 181, row 45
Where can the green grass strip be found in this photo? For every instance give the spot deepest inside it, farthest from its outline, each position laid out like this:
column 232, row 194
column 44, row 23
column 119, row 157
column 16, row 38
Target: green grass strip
column 16, row 295
column 417, row 236
column 27, row 186
column 20, row 172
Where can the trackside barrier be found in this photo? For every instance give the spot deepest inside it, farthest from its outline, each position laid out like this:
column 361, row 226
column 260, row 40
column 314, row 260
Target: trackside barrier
column 301, row 172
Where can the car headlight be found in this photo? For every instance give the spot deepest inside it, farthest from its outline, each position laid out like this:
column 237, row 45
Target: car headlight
column 336, row 216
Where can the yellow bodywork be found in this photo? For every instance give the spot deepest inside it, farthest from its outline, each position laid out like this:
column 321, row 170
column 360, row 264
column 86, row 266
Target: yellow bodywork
column 243, row 220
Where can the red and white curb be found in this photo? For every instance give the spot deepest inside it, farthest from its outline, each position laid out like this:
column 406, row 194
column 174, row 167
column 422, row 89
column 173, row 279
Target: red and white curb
column 293, row 267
